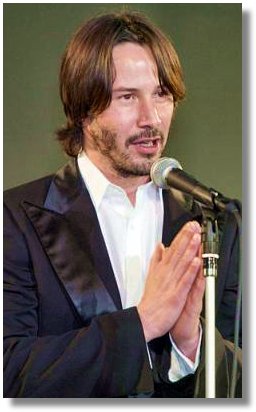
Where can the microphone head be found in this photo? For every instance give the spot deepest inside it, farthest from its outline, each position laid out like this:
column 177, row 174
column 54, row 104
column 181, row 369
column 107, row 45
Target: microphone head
column 161, row 168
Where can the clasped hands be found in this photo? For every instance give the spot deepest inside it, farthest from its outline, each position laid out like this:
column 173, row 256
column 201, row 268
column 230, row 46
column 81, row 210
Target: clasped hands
column 174, row 290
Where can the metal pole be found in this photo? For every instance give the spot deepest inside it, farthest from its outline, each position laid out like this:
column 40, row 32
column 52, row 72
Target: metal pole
column 210, row 243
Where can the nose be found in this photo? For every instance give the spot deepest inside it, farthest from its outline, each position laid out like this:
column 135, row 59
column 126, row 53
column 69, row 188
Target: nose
column 148, row 115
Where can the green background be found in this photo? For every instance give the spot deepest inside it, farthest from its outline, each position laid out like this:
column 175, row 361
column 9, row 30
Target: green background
column 206, row 136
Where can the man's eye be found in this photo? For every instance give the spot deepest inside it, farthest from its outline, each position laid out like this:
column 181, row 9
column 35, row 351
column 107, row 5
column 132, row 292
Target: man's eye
column 161, row 93
column 164, row 95
column 126, row 96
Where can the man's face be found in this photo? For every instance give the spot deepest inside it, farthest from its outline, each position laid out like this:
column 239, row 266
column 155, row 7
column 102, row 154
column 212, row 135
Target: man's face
column 131, row 133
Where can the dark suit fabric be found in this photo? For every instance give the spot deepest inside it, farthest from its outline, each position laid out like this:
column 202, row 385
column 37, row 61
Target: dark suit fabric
column 65, row 332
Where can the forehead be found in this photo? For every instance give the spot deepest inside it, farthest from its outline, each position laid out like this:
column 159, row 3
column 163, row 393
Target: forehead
column 133, row 62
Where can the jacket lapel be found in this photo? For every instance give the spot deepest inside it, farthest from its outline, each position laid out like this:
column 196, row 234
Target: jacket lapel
column 69, row 231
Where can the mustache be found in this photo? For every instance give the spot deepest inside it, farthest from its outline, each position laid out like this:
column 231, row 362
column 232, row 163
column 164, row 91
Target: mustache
column 146, row 134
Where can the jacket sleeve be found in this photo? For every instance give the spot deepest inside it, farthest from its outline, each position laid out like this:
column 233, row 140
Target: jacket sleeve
column 106, row 359
column 228, row 280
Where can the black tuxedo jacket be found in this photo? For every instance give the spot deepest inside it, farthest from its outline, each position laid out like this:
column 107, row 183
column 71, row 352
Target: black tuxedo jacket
column 65, row 332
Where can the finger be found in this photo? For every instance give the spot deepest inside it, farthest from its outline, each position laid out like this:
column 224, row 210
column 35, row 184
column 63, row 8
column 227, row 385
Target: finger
column 157, row 255
column 187, row 280
column 200, row 251
column 194, row 302
column 198, row 287
column 181, row 242
column 180, row 265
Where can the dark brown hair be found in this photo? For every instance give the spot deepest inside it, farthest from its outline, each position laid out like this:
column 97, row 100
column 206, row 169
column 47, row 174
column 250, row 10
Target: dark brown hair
column 87, row 71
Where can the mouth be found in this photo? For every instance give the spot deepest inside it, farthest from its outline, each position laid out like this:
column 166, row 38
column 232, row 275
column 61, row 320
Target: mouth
column 147, row 145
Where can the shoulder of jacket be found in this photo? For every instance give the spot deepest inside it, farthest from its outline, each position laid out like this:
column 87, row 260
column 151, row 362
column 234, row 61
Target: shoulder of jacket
column 36, row 189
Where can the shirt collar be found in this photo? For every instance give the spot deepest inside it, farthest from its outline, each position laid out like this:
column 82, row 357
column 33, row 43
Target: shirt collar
column 97, row 184
column 95, row 181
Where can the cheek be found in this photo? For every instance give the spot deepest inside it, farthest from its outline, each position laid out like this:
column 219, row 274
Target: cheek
column 167, row 117
column 114, row 118
column 119, row 122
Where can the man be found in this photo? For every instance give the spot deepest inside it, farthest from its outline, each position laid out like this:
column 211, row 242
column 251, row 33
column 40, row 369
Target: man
column 103, row 275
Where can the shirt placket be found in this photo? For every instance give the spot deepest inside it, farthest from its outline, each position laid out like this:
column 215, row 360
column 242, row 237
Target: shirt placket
column 133, row 262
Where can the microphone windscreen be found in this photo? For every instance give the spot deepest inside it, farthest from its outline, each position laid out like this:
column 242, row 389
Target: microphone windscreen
column 161, row 168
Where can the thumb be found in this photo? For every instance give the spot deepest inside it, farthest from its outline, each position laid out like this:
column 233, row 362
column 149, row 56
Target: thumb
column 157, row 255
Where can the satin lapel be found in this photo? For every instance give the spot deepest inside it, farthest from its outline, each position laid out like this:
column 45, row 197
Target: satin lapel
column 69, row 231
column 177, row 211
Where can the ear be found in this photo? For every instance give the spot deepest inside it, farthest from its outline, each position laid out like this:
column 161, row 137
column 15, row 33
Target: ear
column 87, row 124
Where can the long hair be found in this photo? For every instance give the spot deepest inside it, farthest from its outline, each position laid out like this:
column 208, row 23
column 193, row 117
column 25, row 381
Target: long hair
column 87, row 71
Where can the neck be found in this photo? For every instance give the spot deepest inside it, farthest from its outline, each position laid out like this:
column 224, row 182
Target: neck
column 129, row 184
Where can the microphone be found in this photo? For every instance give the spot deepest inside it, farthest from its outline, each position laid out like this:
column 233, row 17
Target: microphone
column 167, row 173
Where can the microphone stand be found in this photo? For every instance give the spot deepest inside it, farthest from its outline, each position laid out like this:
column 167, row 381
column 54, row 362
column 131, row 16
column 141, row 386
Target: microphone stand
column 210, row 255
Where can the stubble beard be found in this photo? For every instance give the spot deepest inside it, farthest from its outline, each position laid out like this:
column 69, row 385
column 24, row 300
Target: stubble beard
column 105, row 142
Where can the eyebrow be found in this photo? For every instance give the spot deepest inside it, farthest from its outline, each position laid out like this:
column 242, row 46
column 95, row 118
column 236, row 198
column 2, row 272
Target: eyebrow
column 125, row 89
column 129, row 89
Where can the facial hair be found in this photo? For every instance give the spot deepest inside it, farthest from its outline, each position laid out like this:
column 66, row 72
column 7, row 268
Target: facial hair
column 105, row 141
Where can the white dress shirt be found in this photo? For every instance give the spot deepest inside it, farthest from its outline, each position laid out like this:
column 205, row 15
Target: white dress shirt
column 131, row 234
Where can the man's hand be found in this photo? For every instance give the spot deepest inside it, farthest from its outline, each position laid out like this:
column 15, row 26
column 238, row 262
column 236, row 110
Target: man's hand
column 170, row 289
column 185, row 332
